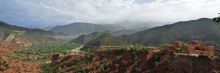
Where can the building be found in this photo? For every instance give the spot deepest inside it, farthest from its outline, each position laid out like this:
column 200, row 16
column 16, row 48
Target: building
column 197, row 48
column 175, row 46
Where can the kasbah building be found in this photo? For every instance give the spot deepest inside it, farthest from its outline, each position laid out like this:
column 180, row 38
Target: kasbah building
column 194, row 48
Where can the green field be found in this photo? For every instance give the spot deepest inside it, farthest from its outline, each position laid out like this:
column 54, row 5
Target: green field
column 44, row 50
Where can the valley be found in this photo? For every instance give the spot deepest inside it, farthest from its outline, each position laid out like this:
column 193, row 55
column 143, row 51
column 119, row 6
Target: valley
column 109, row 36
column 192, row 44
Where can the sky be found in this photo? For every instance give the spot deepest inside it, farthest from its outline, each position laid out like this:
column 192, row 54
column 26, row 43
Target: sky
column 40, row 13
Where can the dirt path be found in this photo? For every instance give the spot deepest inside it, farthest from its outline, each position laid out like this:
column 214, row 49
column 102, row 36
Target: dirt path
column 77, row 49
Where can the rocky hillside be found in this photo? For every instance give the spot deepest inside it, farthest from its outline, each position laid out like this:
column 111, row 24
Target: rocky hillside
column 202, row 29
column 12, row 66
column 122, row 61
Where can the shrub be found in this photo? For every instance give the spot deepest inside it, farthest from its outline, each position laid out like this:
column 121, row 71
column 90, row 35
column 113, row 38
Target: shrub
column 3, row 65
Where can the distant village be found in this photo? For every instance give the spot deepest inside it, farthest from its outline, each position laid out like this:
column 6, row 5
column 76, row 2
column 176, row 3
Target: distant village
column 194, row 48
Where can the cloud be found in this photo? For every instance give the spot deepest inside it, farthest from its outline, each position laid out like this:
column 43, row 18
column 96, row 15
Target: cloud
column 36, row 12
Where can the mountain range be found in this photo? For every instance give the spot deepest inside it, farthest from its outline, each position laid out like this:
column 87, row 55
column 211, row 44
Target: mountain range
column 79, row 28
column 203, row 29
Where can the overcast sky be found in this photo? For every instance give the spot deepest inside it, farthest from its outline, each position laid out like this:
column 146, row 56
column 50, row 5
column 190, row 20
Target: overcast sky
column 49, row 12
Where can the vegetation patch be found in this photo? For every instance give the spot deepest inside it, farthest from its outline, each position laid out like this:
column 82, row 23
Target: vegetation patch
column 3, row 65
column 41, row 52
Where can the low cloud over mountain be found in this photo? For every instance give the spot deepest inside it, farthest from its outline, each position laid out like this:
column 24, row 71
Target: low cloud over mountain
column 36, row 13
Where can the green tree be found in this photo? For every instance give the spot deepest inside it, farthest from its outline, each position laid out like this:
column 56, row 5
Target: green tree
column 217, row 19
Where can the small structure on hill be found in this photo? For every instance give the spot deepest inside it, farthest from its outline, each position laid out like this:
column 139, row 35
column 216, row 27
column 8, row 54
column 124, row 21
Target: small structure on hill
column 194, row 48
column 175, row 46
column 197, row 48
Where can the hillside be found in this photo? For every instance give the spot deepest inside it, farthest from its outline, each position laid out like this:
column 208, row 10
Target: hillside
column 129, row 31
column 83, row 39
column 79, row 28
column 131, row 61
column 202, row 29
column 15, row 34
column 12, row 66
column 106, row 39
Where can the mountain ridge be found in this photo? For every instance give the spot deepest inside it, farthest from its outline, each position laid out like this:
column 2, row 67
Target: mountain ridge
column 202, row 29
column 81, row 28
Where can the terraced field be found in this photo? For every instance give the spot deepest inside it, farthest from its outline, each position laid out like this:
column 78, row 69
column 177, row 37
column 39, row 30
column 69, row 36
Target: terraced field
column 12, row 36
